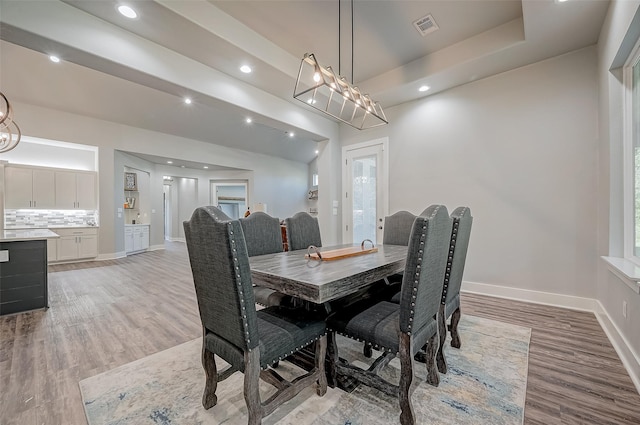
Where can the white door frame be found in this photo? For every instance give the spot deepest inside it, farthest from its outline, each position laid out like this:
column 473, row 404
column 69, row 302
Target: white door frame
column 383, row 188
column 214, row 183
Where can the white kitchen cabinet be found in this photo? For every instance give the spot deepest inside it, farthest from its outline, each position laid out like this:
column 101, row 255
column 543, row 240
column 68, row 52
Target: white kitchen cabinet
column 136, row 238
column 52, row 250
column 75, row 190
column 75, row 244
column 27, row 187
column 128, row 239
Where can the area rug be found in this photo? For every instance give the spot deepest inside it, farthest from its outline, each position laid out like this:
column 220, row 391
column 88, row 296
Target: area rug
column 486, row 384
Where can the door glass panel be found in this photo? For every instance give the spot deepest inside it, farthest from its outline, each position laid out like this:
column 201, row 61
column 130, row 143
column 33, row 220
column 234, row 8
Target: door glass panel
column 364, row 186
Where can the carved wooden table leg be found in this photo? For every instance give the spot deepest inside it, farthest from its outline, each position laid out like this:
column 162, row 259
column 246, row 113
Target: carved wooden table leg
column 321, row 352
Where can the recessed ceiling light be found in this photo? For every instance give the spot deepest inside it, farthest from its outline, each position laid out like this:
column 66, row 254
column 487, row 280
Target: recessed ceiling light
column 423, row 88
column 187, row 101
column 206, row 167
column 561, row 1
column 248, row 120
column 169, row 162
column 245, row 68
column 127, row 11
column 292, row 134
column 54, row 59
column 182, row 166
column 317, row 152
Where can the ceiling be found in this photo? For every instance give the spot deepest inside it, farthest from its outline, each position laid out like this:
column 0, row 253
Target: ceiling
column 136, row 72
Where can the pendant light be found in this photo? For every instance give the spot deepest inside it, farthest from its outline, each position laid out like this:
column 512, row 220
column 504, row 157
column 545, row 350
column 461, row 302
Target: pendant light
column 321, row 88
column 9, row 131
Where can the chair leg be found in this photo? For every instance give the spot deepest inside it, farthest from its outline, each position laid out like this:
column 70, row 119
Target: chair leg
column 251, row 383
column 209, row 398
column 367, row 350
column 432, row 372
column 405, row 389
column 455, row 336
column 442, row 331
column 321, row 352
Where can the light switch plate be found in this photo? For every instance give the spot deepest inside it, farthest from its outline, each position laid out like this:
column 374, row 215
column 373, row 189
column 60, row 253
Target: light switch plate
column 4, row 256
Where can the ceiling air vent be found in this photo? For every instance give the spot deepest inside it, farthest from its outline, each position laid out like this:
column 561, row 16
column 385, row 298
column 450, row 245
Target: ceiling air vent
column 426, row 25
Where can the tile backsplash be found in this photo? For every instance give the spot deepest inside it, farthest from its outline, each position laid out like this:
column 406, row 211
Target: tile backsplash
column 15, row 219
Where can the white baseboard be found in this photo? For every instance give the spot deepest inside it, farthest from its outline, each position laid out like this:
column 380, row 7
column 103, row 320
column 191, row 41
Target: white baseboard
column 111, row 256
column 177, row 240
column 155, row 247
column 537, row 297
column 629, row 358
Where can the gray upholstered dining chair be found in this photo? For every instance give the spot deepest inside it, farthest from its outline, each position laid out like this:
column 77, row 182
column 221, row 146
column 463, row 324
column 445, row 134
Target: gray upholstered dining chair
column 401, row 329
column 450, row 300
column 302, row 230
column 249, row 340
column 397, row 230
column 262, row 236
column 461, row 221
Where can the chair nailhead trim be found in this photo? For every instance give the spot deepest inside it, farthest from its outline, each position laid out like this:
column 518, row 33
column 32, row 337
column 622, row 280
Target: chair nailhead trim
column 452, row 247
column 245, row 324
column 375, row 346
column 298, row 349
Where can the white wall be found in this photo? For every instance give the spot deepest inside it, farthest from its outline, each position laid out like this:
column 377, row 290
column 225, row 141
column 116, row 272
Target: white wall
column 520, row 149
column 47, row 153
column 279, row 183
column 616, row 39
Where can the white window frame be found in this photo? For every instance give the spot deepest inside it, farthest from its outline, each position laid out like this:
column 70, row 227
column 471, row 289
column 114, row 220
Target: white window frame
column 628, row 157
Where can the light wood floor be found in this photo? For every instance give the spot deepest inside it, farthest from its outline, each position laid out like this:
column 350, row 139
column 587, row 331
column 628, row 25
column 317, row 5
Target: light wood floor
column 106, row 314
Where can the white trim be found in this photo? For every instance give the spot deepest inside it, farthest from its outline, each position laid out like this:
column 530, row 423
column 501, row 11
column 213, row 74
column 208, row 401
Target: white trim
column 183, row 240
column 628, row 176
column 155, row 247
column 537, row 297
column 630, row 359
column 110, row 256
column 384, row 141
column 628, row 356
column 627, row 271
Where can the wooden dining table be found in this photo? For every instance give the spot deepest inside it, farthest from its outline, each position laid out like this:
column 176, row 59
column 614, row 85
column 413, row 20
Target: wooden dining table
column 320, row 281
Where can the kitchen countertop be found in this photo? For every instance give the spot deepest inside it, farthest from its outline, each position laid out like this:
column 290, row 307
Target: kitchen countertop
column 137, row 224
column 14, row 235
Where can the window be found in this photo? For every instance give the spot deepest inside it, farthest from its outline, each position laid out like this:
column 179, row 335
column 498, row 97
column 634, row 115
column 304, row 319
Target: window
column 632, row 160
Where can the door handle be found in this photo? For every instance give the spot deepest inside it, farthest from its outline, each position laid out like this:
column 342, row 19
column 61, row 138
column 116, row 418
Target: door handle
column 380, row 227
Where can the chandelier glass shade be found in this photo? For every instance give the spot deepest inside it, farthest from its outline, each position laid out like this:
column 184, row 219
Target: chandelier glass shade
column 321, row 88
column 9, row 131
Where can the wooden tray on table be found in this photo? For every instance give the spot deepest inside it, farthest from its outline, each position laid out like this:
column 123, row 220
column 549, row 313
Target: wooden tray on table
column 314, row 253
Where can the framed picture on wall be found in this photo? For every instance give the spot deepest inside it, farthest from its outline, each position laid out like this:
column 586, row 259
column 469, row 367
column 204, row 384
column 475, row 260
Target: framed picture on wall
column 130, row 181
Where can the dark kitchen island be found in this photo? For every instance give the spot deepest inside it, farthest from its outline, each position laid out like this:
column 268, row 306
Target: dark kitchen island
column 23, row 270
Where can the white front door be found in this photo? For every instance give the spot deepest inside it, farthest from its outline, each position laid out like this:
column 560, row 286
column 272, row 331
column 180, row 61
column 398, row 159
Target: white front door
column 365, row 192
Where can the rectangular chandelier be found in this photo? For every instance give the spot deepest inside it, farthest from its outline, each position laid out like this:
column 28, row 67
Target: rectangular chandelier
column 322, row 89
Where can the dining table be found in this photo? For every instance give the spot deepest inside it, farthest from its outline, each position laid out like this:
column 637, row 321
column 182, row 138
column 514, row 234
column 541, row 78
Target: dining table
column 327, row 285
column 321, row 281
